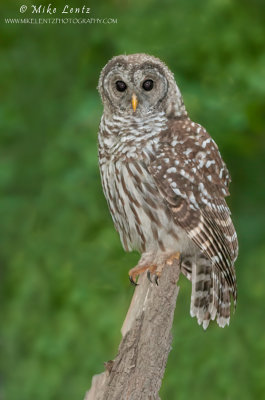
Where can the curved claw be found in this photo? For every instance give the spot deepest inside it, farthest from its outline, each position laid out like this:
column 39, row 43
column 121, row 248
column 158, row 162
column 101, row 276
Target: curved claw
column 156, row 279
column 132, row 281
column 149, row 276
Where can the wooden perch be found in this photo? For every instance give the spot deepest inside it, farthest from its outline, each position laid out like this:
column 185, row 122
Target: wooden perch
column 137, row 371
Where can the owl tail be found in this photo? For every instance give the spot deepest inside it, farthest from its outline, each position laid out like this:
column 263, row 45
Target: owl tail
column 210, row 294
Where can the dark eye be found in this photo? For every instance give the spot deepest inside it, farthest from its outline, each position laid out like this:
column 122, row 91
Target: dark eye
column 148, row 85
column 121, row 86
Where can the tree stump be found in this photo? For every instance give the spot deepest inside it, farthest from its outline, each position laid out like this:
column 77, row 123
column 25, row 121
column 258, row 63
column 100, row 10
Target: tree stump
column 137, row 371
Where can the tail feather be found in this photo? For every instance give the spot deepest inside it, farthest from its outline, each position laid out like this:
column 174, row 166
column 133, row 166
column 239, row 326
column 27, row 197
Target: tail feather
column 210, row 293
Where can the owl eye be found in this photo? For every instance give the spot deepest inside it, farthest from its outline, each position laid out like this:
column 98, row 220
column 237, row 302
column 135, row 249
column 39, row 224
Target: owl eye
column 148, row 85
column 121, row 86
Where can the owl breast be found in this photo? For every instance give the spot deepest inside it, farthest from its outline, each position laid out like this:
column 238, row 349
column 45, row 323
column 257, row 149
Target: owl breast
column 140, row 216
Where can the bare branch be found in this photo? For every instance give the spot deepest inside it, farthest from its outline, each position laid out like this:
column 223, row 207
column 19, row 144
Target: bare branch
column 138, row 370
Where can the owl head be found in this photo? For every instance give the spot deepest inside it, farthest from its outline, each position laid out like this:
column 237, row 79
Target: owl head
column 139, row 84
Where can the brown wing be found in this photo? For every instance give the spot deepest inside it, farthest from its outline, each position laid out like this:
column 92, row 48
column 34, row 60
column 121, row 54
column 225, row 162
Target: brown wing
column 193, row 179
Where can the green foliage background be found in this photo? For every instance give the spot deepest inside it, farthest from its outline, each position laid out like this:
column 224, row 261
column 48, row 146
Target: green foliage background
column 64, row 284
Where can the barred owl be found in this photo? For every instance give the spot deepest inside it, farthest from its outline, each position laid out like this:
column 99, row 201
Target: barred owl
column 165, row 183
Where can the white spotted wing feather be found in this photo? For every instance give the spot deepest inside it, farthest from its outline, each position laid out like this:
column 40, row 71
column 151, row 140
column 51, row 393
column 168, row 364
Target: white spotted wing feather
column 192, row 177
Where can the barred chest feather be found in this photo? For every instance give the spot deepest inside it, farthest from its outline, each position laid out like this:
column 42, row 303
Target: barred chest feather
column 140, row 215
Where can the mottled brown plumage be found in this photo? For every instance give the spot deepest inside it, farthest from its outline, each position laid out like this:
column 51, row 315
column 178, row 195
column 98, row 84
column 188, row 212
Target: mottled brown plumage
column 165, row 182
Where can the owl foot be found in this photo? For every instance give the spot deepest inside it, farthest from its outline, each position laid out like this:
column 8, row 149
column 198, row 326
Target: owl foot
column 170, row 260
column 153, row 269
column 139, row 269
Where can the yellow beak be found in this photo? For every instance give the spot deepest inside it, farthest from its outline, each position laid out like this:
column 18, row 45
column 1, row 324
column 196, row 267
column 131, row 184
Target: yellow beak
column 134, row 102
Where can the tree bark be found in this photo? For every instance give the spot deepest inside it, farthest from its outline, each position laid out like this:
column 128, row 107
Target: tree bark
column 137, row 371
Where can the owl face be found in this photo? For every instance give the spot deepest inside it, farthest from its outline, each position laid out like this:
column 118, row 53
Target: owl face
column 135, row 85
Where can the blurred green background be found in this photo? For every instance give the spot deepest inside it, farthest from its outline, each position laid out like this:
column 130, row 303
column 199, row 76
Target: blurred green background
column 64, row 283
